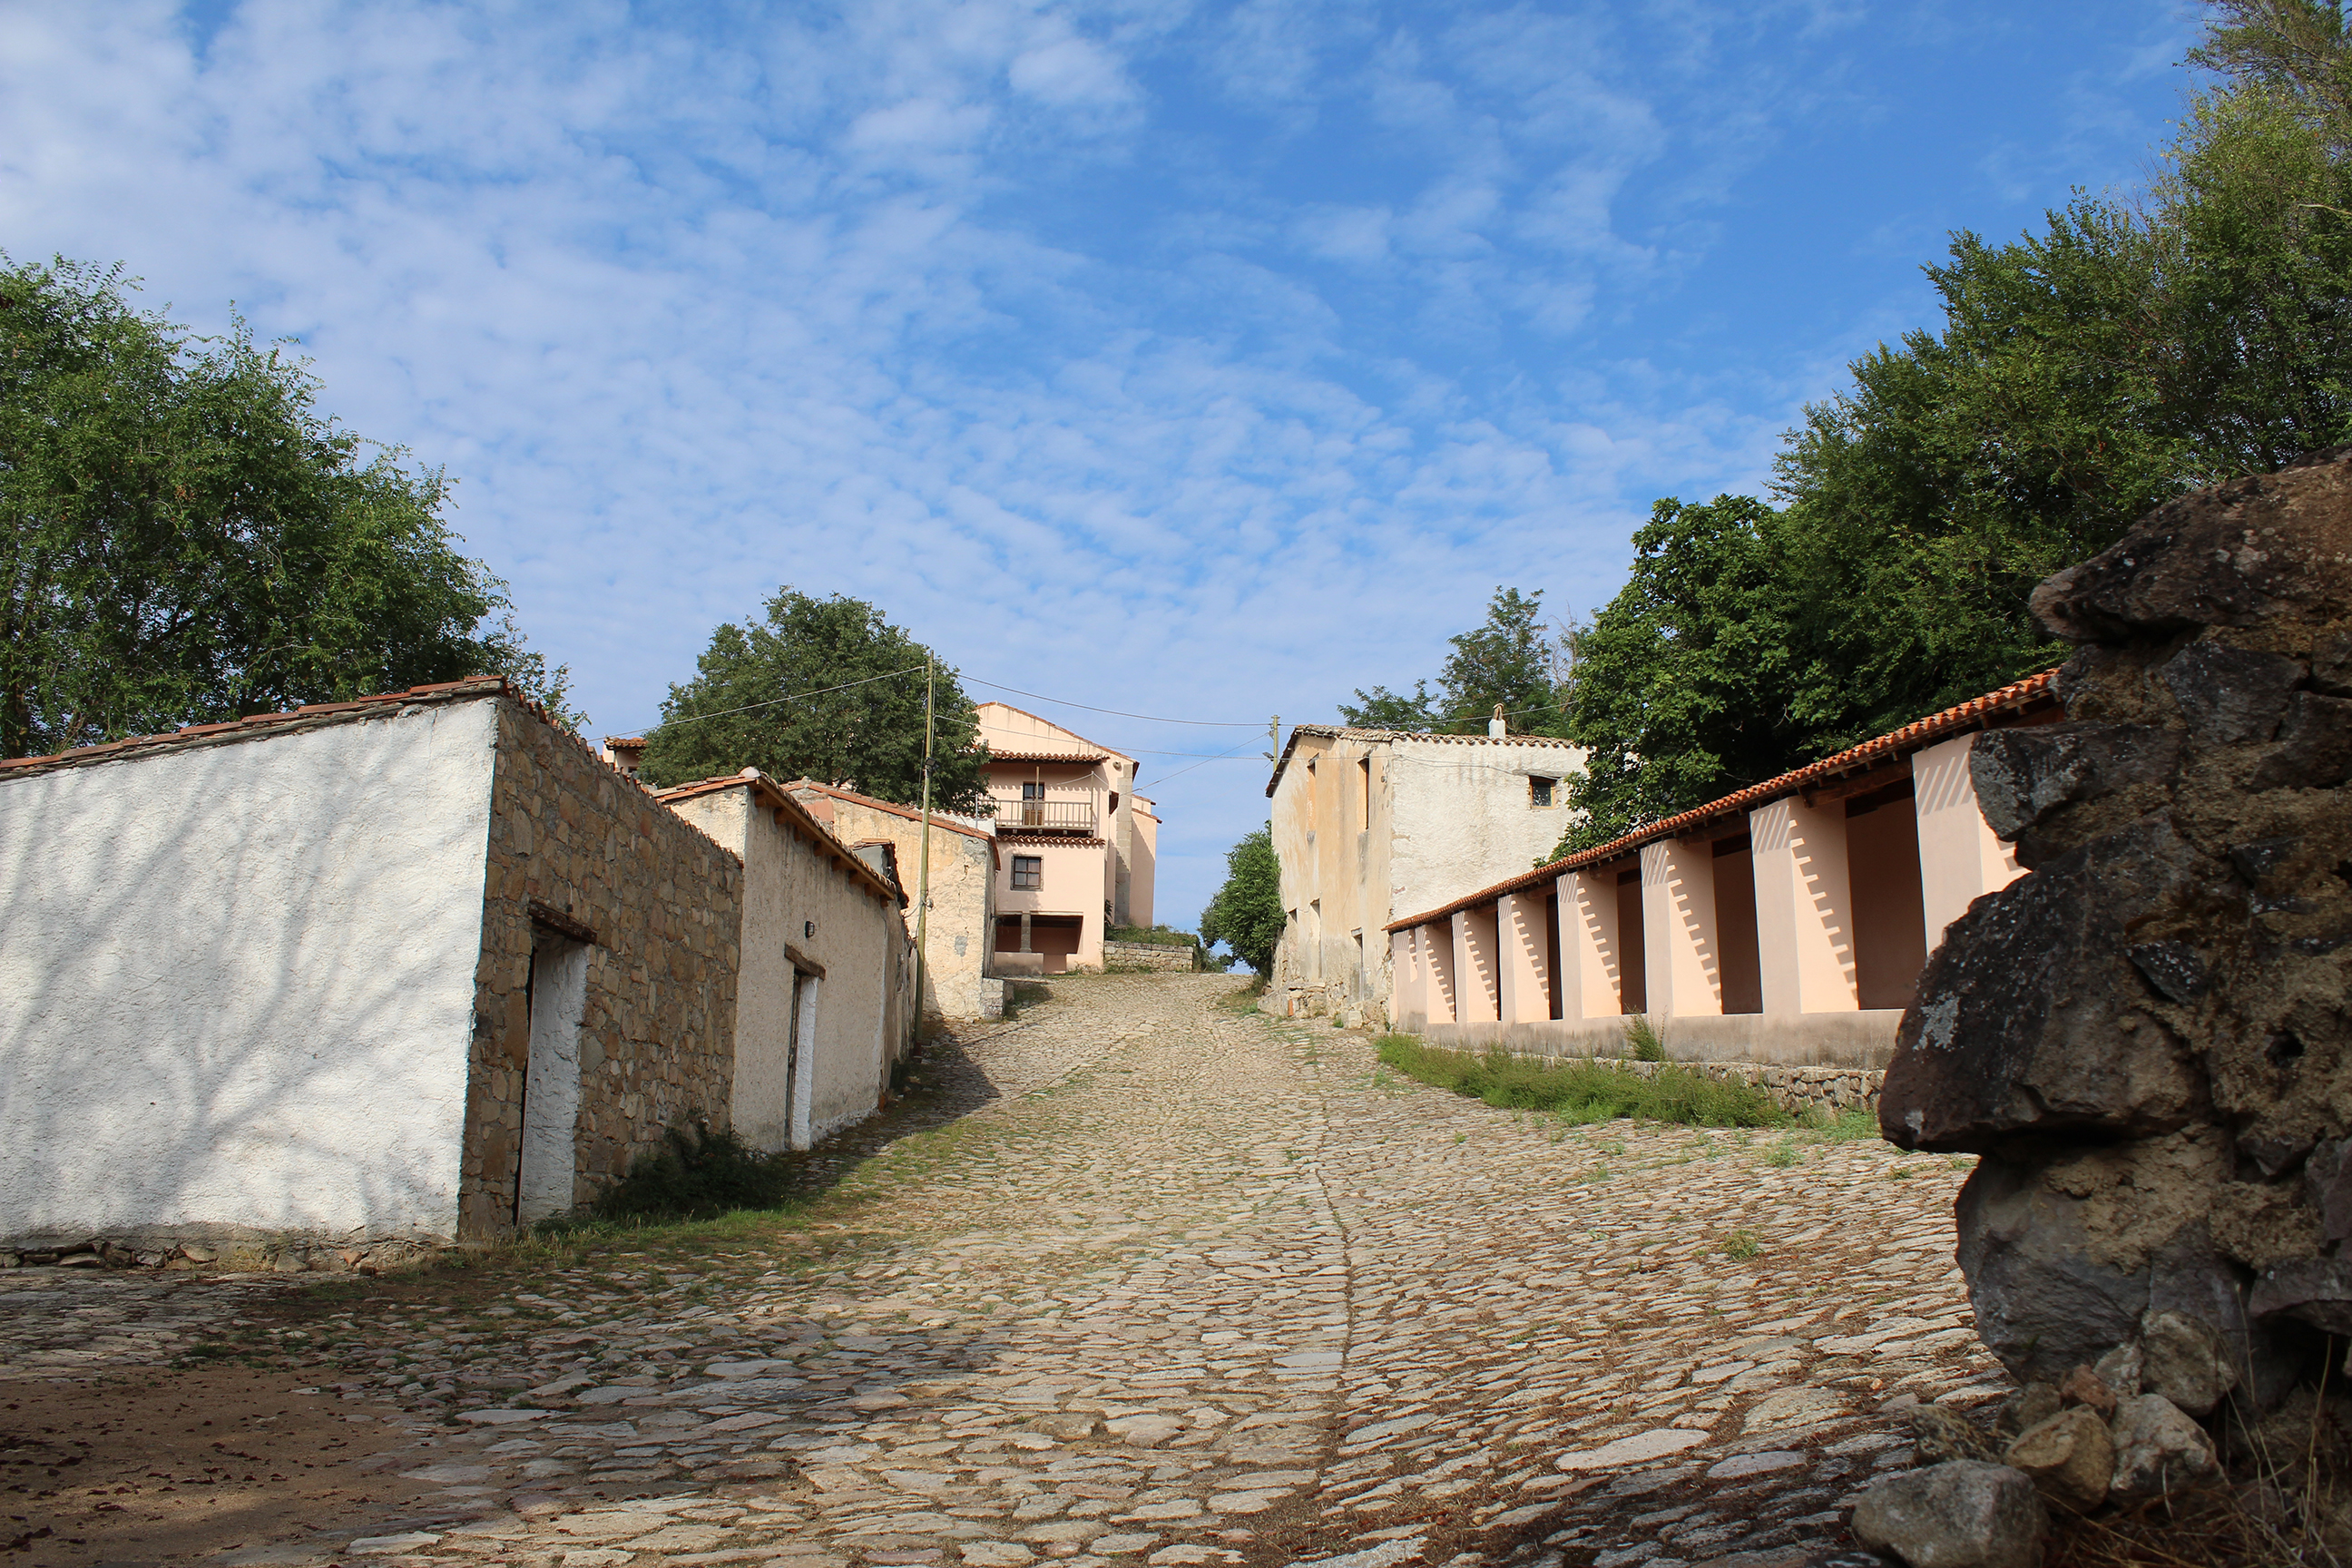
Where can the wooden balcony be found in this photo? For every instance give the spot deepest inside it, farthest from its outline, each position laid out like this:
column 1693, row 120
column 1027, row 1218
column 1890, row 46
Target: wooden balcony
column 1060, row 818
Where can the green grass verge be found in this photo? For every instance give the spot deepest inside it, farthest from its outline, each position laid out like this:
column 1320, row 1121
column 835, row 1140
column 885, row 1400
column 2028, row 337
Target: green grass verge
column 1584, row 1092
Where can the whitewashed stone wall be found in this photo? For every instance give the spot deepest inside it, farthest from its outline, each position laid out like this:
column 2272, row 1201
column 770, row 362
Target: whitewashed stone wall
column 808, row 897
column 238, row 982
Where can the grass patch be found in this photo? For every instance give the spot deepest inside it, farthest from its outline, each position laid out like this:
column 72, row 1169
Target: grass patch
column 1741, row 1245
column 1584, row 1092
column 1244, row 998
column 697, row 1176
column 1845, row 1127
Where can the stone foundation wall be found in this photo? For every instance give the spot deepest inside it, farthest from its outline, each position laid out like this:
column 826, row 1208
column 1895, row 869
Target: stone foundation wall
column 573, row 842
column 1796, row 1089
column 1148, row 955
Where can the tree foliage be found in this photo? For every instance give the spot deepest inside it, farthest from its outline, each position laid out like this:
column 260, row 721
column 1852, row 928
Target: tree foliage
column 188, row 539
column 1684, row 681
column 1246, row 913
column 1511, row 662
column 827, row 689
column 2129, row 350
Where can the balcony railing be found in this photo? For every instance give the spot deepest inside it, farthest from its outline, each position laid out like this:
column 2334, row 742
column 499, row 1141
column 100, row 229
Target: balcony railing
column 1076, row 817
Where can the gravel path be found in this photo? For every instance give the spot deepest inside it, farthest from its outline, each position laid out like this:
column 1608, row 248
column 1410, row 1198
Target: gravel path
column 1154, row 1281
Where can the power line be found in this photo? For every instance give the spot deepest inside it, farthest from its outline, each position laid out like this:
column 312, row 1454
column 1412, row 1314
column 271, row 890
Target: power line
column 795, row 697
column 1115, row 712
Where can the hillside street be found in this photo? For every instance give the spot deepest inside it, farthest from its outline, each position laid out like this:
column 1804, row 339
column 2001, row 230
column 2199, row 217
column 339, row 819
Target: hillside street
column 1140, row 1278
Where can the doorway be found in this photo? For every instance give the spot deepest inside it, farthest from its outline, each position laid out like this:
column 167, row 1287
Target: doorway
column 555, row 998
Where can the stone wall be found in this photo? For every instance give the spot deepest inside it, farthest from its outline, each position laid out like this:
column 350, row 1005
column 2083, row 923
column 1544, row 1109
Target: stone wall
column 1150, row 955
column 1800, row 1090
column 2147, row 1036
column 576, row 847
column 237, row 986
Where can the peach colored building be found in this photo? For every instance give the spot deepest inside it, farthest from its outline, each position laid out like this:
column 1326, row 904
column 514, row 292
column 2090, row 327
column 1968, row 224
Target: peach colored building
column 1372, row 823
column 1077, row 845
column 1786, row 922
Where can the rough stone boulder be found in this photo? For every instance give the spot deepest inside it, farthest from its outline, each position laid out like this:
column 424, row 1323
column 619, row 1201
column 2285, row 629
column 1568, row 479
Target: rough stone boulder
column 1964, row 1514
column 2148, row 1037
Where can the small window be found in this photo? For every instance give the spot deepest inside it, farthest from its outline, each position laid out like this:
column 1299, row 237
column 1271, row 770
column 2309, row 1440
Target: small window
column 1028, row 871
column 1540, row 790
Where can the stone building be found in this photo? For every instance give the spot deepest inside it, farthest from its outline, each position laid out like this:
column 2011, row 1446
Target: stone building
column 1786, row 922
column 823, row 1001
column 1372, row 823
column 958, row 981
column 352, row 979
column 1078, row 847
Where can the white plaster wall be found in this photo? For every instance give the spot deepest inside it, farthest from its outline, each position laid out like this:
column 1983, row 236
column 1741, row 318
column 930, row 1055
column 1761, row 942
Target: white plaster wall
column 962, row 926
column 1460, row 817
column 789, row 884
column 236, row 981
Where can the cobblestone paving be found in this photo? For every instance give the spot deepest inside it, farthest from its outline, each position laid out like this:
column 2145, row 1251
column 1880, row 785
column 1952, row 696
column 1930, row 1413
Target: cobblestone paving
column 1182, row 1286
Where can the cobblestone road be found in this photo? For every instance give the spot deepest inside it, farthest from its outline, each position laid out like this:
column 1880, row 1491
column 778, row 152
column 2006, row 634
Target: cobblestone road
column 1184, row 1285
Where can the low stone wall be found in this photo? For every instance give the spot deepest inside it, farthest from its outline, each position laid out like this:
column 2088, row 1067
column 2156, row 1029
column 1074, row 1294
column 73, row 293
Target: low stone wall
column 1860, row 1039
column 1796, row 1089
column 1149, row 955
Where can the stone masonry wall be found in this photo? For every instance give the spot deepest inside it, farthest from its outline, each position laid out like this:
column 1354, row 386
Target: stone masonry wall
column 1150, row 955
column 586, row 848
column 1796, row 1089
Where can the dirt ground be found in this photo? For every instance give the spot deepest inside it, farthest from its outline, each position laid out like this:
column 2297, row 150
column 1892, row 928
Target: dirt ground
column 156, row 1465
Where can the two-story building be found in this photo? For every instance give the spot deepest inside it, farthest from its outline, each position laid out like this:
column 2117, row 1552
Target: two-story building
column 1077, row 845
column 1372, row 823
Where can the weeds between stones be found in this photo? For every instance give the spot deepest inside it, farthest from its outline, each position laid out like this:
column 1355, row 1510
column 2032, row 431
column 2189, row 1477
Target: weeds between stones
column 1584, row 1092
column 1642, row 1042
column 697, row 1176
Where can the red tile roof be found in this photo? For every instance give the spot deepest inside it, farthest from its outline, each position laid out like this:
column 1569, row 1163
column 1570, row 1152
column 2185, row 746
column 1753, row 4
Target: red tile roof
column 773, row 796
column 893, row 808
column 2017, row 699
column 257, row 725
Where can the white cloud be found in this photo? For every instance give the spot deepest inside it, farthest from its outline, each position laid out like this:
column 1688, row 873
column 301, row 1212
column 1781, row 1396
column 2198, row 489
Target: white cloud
column 1165, row 357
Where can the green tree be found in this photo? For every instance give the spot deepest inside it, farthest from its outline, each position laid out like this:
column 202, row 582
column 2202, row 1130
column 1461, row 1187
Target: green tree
column 188, row 539
column 1246, row 913
column 1510, row 661
column 2127, row 352
column 1682, row 680
column 749, row 705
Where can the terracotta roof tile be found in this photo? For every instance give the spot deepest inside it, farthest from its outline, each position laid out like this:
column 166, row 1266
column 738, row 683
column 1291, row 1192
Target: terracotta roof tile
column 777, row 798
column 938, row 820
column 2019, row 696
column 302, row 718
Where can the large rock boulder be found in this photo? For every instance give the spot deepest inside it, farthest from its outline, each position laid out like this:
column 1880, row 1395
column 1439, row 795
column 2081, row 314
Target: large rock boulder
column 2148, row 1037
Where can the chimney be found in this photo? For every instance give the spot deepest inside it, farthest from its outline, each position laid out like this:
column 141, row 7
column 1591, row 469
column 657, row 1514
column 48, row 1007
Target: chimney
column 1496, row 728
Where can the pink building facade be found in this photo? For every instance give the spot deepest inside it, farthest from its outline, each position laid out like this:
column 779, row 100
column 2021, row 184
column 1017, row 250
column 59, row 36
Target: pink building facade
column 1077, row 846
column 1787, row 922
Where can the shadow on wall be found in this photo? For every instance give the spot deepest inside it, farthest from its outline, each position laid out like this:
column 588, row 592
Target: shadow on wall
column 239, row 985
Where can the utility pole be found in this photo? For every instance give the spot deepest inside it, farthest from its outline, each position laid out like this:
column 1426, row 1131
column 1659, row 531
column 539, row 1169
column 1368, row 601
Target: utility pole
column 923, row 857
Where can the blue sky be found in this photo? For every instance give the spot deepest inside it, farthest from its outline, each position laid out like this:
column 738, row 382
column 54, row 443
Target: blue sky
column 1198, row 360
